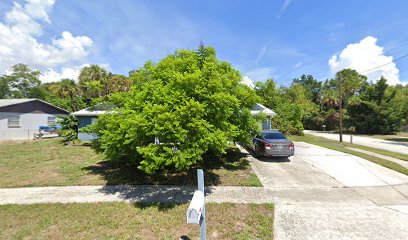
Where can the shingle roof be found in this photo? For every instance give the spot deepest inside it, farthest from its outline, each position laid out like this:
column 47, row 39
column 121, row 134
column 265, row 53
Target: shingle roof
column 14, row 101
column 8, row 102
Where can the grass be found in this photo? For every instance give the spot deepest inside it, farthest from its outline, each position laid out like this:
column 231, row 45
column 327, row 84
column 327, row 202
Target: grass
column 335, row 145
column 399, row 137
column 50, row 163
column 132, row 221
column 403, row 138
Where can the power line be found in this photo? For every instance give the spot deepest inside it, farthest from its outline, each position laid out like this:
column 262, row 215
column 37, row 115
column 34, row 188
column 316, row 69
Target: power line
column 393, row 61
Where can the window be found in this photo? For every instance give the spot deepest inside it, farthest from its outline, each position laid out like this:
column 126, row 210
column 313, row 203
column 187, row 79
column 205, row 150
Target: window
column 274, row 135
column 51, row 121
column 93, row 120
column 14, row 122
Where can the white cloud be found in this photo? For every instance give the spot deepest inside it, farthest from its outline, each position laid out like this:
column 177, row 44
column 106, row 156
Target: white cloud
column 19, row 44
column 364, row 56
column 51, row 75
column 247, row 81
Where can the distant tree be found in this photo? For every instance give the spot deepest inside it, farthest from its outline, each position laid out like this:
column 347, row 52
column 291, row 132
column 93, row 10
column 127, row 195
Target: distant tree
column 5, row 91
column 352, row 82
column 93, row 81
column 378, row 109
column 66, row 88
column 268, row 93
column 118, row 83
column 291, row 105
column 312, row 86
column 22, row 83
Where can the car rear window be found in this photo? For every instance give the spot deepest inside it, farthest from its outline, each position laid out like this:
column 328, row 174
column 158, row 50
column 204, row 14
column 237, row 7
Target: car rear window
column 273, row 136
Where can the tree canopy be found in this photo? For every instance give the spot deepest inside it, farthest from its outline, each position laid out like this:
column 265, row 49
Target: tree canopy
column 308, row 103
column 190, row 101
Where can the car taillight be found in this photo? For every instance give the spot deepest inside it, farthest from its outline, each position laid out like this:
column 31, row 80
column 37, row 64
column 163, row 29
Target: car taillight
column 268, row 145
column 291, row 145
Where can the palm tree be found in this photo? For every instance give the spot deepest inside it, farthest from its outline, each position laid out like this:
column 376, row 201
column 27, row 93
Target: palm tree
column 66, row 88
column 93, row 81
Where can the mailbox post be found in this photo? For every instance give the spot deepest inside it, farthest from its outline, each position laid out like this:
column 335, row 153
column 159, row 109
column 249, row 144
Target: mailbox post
column 196, row 210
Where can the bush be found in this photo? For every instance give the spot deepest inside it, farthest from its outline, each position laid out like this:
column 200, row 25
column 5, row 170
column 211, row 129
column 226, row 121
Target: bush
column 190, row 101
column 69, row 128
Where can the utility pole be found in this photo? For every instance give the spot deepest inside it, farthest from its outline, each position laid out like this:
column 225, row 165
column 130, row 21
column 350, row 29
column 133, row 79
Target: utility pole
column 340, row 108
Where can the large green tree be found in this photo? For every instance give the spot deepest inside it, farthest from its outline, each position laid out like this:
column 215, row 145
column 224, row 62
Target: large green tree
column 93, row 81
column 190, row 101
column 67, row 89
column 313, row 87
column 378, row 109
column 22, row 82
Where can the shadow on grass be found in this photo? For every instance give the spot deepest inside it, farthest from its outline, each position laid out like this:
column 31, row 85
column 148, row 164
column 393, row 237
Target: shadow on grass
column 119, row 173
column 146, row 196
column 161, row 207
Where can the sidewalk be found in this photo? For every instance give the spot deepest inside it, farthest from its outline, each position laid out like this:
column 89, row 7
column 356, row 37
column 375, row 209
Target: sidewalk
column 182, row 194
column 400, row 162
column 393, row 146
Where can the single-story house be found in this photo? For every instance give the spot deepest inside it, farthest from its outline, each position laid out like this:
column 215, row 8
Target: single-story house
column 21, row 118
column 88, row 116
column 258, row 109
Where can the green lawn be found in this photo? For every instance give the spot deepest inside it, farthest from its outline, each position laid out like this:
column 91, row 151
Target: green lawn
column 335, row 145
column 50, row 163
column 132, row 221
column 399, row 137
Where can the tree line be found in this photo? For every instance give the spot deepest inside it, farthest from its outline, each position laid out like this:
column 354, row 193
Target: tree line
column 368, row 107
column 94, row 86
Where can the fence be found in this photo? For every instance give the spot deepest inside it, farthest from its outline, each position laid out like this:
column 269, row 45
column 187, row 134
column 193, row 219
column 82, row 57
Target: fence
column 20, row 134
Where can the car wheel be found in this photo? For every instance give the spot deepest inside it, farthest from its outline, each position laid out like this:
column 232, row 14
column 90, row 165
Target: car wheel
column 256, row 151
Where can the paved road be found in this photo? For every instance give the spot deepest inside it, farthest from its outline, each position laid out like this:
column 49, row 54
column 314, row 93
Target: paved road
column 333, row 195
column 393, row 146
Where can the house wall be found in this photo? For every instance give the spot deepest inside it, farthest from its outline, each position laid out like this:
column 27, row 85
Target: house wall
column 29, row 124
column 84, row 121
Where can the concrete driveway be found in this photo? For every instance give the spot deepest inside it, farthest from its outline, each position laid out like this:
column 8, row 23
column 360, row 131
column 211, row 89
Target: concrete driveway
column 325, row 194
column 393, row 146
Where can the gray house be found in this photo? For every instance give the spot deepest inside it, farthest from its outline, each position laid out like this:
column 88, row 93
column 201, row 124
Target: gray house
column 21, row 118
column 88, row 116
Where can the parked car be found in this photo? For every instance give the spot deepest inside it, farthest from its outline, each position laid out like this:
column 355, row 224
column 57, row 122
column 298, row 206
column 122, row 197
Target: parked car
column 272, row 143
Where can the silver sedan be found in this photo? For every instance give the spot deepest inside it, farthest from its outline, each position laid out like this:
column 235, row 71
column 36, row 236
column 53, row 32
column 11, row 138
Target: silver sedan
column 272, row 143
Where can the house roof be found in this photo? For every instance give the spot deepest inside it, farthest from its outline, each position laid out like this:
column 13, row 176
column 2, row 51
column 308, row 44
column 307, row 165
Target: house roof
column 8, row 102
column 15, row 101
column 92, row 111
column 261, row 108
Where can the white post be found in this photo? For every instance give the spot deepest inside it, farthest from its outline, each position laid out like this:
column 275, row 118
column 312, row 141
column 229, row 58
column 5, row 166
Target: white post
column 200, row 180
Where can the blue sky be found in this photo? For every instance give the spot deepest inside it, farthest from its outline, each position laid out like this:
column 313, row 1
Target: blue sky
column 279, row 39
